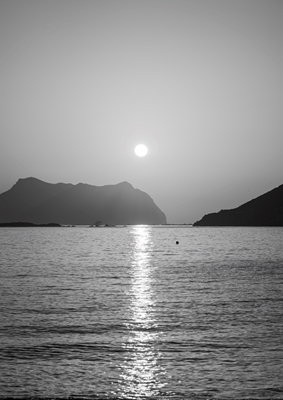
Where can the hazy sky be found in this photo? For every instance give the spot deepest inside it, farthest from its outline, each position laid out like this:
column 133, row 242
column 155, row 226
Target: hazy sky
column 200, row 82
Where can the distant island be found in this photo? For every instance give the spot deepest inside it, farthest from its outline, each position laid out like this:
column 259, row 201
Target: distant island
column 38, row 202
column 265, row 210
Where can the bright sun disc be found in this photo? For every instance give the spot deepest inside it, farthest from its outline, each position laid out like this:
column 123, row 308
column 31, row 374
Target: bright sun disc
column 141, row 150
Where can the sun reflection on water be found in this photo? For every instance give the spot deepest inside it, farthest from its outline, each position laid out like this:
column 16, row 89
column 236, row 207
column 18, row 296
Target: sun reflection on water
column 141, row 373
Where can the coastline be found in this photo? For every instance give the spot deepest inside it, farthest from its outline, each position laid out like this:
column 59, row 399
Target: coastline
column 28, row 225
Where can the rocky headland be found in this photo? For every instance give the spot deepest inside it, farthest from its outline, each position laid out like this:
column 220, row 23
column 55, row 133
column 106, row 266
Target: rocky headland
column 265, row 210
column 38, row 202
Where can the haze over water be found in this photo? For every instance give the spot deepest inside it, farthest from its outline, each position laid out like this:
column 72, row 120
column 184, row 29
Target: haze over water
column 128, row 313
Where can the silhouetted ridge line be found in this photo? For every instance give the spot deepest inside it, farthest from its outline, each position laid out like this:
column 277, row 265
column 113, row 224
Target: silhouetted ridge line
column 265, row 210
column 38, row 202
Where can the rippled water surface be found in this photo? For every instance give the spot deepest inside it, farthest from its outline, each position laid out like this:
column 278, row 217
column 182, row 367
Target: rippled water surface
column 128, row 313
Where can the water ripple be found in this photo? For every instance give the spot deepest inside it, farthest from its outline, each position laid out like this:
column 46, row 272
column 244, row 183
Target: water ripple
column 125, row 313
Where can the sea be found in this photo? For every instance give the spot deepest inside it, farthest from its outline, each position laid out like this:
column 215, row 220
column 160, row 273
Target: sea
column 141, row 312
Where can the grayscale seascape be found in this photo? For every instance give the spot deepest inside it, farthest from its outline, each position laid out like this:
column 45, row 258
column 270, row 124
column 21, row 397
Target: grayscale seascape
column 128, row 313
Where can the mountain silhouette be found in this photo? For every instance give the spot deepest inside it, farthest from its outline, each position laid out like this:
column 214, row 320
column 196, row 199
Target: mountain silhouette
column 265, row 210
column 32, row 200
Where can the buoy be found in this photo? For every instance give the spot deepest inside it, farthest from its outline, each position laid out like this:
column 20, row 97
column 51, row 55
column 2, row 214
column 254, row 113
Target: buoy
column 177, row 242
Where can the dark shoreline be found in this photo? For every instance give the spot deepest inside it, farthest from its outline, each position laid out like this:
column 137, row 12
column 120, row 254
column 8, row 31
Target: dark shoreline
column 28, row 225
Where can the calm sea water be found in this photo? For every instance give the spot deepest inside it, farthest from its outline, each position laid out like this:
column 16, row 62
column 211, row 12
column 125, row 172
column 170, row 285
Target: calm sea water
column 127, row 313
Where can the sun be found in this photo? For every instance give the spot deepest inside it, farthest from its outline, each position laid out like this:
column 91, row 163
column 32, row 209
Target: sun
column 141, row 150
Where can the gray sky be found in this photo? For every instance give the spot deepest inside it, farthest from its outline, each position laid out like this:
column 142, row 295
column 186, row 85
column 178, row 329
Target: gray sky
column 199, row 82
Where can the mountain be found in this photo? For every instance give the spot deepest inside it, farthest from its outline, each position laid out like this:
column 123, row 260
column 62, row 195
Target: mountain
column 32, row 200
column 265, row 210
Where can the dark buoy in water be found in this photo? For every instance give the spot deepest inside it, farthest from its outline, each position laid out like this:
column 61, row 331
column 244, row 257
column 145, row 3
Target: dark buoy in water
column 177, row 241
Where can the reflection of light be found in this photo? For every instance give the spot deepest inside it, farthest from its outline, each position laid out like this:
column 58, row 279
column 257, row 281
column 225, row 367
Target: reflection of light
column 141, row 371
column 141, row 279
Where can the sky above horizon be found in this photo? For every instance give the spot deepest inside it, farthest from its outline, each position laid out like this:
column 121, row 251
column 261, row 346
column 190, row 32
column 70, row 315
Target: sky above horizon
column 199, row 82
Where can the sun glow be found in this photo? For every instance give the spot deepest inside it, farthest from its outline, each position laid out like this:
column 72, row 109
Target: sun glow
column 141, row 150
